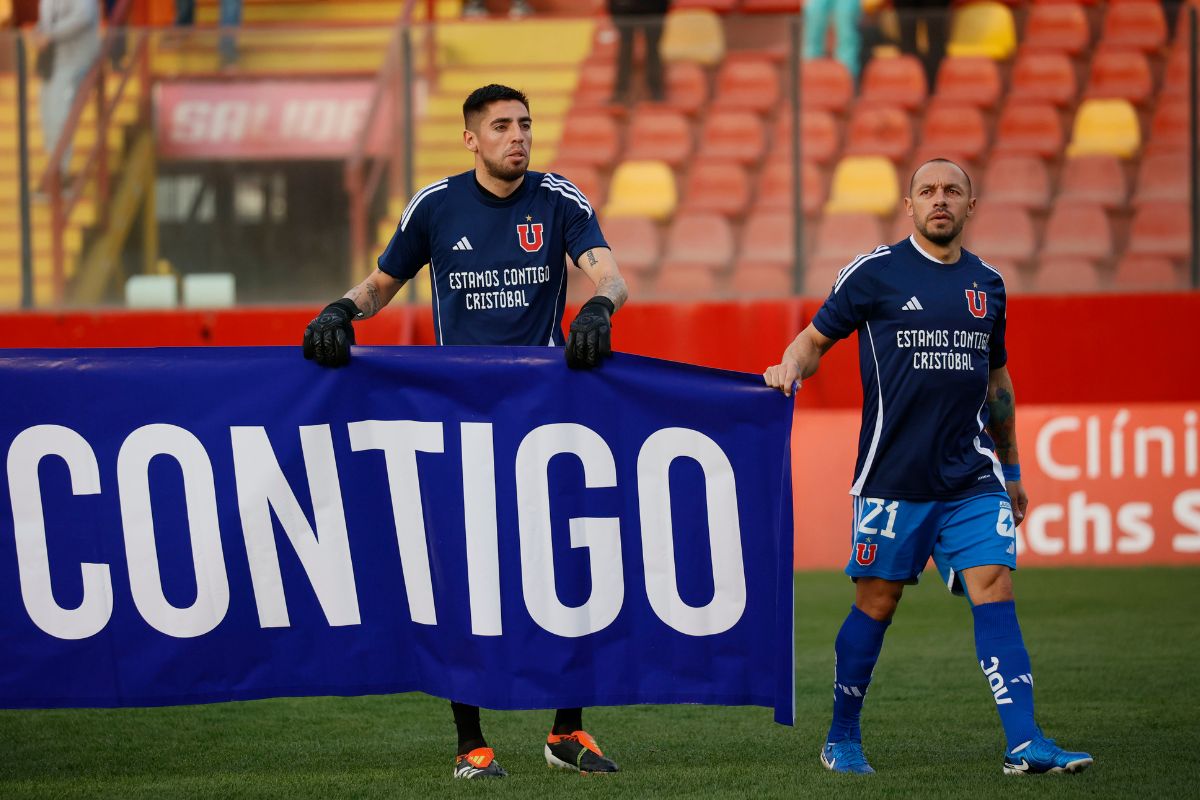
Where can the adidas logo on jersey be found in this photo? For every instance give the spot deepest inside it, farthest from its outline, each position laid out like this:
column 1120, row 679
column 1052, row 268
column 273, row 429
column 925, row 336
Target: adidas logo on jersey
column 462, row 244
column 912, row 305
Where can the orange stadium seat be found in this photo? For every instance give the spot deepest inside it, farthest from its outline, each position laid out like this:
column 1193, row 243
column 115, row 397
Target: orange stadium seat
column 1021, row 181
column 1175, row 81
column 595, row 88
column 970, row 80
column 747, row 83
column 1000, row 232
column 687, row 86
column 1169, row 127
column 1142, row 26
column 879, row 131
column 1066, row 276
column 735, row 135
column 1029, row 129
column 699, row 239
column 898, row 81
column 1043, row 77
column 845, row 235
column 681, row 282
column 1147, row 273
column 591, row 138
column 767, row 237
column 752, row 279
column 718, row 188
column 586, row 178
column 1122, row 74
column 819, row 138
column 1057, row 27
column 660, row 134
column 1162, row 176
column 1078, row 230
column 825, row 84
column 635, row 242
column 1161, row 229
column 958, row 132
column 775, row 187
column 719, row 6
column 821, row 273
column 1098, row 178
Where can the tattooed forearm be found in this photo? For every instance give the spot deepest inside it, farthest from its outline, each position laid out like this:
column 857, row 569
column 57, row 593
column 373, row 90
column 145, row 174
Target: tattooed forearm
column 613, row 287
column 1002, row 421
column 368, row 297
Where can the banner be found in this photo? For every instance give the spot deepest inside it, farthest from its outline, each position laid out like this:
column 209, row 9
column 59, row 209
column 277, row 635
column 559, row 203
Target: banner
column 184, row 525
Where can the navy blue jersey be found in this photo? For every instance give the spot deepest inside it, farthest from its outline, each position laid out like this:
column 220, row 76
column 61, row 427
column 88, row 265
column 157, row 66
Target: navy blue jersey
column 928, row 336
column 498, row 265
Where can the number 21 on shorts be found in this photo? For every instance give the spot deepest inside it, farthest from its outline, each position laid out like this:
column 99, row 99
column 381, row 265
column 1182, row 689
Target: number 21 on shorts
column 872, row 508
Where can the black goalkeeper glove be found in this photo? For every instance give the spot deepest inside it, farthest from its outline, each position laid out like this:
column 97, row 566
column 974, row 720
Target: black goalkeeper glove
column 590, row 338
column 327, row 338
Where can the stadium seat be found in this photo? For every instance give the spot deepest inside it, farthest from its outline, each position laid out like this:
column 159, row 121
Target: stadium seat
column 957, row 131
column 1123, row 74
column 1078, row 230
column 734, row 135
column 1098, row 179
column 982, row 29
column 863, row 183
column 775, row 187
column 1013, row 180
column 1161, row 229
column 902, row 227
column 586, row 178
column 819, row 139
column 1147, row 273
column 1066, row 276
column 641, row 189
column 699, row 239
column 876, row 130
column 1029, row 129
column 1170, row 127
column 968, row 80
column 1056, row 28
column 825, row 84
column 1175, row 81
column 1000, row 232
column 1140, row 26
column 719, row 188
column 716, row 6
column 1043, row 77
column 747, row 83
column 687, row 86
column 767, row 237
column 680, row 281
column 591, row 138
column 753, row 279
column 595, row 88
column 846, row 235
column 1163, row 177
column 635, row 242
column 821, row 273
column 897, row 81
column 660, row 134
column 693, row 35
column 1105, row 126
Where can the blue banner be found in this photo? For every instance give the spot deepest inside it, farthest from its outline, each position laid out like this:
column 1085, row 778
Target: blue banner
column 191, row 525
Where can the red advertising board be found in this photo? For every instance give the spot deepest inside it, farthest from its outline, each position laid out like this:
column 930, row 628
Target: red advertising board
column 261, row 121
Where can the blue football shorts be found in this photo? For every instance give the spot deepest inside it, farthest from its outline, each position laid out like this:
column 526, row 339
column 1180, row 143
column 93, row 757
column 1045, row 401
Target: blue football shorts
column 894, row 539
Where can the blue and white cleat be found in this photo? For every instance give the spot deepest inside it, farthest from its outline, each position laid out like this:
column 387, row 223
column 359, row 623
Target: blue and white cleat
column 1041, row 755
column 845, row 756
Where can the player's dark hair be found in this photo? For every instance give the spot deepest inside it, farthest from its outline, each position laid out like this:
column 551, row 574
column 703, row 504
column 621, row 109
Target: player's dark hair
column 484, row 96
column 912, row 181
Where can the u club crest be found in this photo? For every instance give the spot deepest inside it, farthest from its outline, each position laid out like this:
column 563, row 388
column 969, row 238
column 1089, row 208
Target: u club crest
column 977, row 303
column 865, row 553
column 530, row 237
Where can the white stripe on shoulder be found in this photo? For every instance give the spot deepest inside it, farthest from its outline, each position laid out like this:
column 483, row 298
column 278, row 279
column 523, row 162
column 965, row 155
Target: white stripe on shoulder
column 850, row 268
column 993, row 269
column 567, row 189
column 437, row 186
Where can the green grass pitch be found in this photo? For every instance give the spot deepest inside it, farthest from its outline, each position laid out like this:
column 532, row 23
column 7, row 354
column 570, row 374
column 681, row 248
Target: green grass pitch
column 1116, row 657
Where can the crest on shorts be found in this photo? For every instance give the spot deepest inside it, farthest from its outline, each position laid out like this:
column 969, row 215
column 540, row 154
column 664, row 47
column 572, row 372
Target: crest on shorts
column 977, row 303
column 865, row 553
column 530, row 237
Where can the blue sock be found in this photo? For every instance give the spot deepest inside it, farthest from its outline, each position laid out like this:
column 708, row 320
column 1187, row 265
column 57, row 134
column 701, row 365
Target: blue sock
column 857, row 649
column 1005, row 661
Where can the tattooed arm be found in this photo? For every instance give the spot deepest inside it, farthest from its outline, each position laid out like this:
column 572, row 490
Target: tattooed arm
column 599, row 265
column 374, row 293
column 1002, row 427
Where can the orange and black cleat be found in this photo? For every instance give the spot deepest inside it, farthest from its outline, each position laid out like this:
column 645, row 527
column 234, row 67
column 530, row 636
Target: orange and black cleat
column 479, row 763
column 577, row 751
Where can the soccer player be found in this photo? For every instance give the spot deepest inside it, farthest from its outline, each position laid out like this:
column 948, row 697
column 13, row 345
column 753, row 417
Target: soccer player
column 496, row 239
column 937, row 473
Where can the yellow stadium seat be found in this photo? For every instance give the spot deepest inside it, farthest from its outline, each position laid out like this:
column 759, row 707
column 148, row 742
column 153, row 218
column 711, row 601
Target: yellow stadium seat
column 864, row 183
column 693, row 34
column 983, row 29
column 641, row 189
column 1105, row 127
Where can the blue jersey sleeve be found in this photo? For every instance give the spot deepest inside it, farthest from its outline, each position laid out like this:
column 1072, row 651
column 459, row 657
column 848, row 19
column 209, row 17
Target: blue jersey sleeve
column 582, row 228
column 997, row 353
column 849, row 304
column 409, row 248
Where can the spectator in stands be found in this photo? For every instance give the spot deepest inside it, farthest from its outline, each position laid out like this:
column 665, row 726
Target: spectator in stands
column 936, row 15
column 230, row 17
column 846, row 14
column 631, row 16
column 68, row 40
column 476, row 8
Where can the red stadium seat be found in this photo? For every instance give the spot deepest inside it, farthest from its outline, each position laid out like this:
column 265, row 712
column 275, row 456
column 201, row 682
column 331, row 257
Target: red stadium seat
column 635, row 242
column 1161, row 229
column 1123, row 74
column 846, row 235
column 735, row 135
column 1043, row 77
column 657, row 133
column 1058, row 28
column 775, row 187
column 957, row 131
column 897, row 81
column 1147, row 273
column 767, row 237
column 1021, row 181
column 680, row 281
column 752, row 279
column 1029, row 129
column 717, row 6
column 586, row 178
column 1175, row 82
column 1163, row 177
column 1078, row 230
column 879, row 131
column 1141, row 26
column 971, row 80
column 717, row 188
column 1066, row 276
column 825, row 84
column 820, row 140
column 699, row 239
column 821, row 273
column 1000, row 232
column 1098, row 179
column 687, row 86
column 747, row 83
column 590, row 138
column 1169, row 127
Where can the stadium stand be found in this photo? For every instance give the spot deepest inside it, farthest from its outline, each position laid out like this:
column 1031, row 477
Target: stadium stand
column 718, row 188
column 863, row 183
column 984, row 29
column 969, row 80
column 1104, row 126
column 1097, row 178
column 898, row 81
